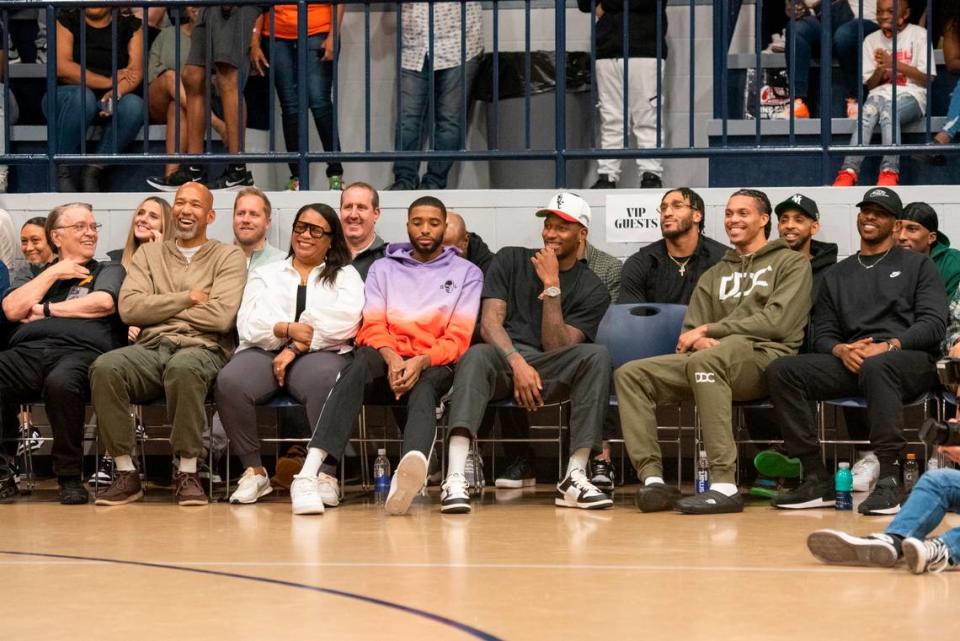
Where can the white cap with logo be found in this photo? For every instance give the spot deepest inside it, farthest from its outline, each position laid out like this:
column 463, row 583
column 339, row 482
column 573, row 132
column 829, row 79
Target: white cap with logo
column 570, row 207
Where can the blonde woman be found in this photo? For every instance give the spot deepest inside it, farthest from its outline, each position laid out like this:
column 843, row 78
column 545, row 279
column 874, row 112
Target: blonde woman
column 149, row 224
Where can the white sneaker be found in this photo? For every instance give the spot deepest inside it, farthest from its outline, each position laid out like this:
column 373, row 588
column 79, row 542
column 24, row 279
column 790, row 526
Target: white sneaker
column 929, row 555
column 455, row 496
column 251, row 487
column 576, row 490
column 410, row 477
column 305, row 495
column 329, row 489
column 866, row 472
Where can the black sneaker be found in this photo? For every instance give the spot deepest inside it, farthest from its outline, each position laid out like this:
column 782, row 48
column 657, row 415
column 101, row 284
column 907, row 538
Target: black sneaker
column 72, row 492
column 650, row 181
column 884, row 500
column 104, row 473
column 710, row 502
column 234, row 178
column 518, row 474
column 402, row 185
column 603, row 475
column 604, row 182
column 657, row 497
column 8, row 482
column 177, row 178
column 812, row 493
column 839, row 548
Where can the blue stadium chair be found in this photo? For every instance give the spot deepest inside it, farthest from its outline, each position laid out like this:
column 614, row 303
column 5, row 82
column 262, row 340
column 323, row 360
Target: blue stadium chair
column 633, row 331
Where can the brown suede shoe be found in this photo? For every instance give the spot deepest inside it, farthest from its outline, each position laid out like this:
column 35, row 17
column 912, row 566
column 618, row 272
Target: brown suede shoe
column 188, row 489
column 125, row 489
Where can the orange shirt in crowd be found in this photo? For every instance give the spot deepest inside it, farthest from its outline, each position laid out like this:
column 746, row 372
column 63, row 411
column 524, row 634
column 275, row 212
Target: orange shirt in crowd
column 285, row 20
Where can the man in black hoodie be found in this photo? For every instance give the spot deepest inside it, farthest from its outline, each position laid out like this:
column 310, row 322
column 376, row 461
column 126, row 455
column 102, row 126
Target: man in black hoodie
column 878, row 323
column 640, row 24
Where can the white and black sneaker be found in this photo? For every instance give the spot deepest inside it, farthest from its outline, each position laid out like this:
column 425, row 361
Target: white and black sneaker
column 30, row 440
column 603, row 475
column 104, row 473
column 455, row 495
column 839, row 548
column 884, row 500
column 173, row 182
column 409, row 479
column 233, row 178
column 576, row 490
column 930, row 555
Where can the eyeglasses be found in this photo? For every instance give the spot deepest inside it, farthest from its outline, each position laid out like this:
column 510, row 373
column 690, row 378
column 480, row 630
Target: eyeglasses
column 677, row 207
column 79, row 228
column 316, row 231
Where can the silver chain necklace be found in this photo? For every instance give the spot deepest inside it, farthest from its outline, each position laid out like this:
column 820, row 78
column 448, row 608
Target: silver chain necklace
column 876, row 263
column 683, row 265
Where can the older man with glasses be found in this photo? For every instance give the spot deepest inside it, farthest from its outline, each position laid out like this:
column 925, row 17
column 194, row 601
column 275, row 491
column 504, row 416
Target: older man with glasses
column 65, row 317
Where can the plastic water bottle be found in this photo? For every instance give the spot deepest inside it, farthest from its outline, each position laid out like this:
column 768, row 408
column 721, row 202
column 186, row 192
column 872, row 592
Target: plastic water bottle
column 381, row 476
column 911, row 472
column 703, row 473
column 843, row 484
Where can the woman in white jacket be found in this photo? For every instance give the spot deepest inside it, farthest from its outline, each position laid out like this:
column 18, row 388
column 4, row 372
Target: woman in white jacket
column 296, row 324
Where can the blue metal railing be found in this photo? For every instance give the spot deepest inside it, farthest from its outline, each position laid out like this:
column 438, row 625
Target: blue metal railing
column 724, row 21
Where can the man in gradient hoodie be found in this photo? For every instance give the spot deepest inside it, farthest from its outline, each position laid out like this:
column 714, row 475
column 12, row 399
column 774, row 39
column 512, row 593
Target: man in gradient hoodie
column 421, row 307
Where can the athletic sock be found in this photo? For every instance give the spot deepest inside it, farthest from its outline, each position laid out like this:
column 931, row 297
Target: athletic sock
column 578, row 459
column 459, row 449
column 188, row 464
column 311, row 466
column 727, row 489
column 650, row 480
column 124, row 463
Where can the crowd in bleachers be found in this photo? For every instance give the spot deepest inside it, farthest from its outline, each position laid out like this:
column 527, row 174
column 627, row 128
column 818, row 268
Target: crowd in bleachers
column 342, row 319
column 167, row 67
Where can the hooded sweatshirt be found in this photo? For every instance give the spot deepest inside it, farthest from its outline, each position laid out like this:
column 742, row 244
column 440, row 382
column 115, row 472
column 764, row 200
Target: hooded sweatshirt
column 156, row 295
column 763, row 296
column 419, row 308
column 947, row 260
column 823, row 257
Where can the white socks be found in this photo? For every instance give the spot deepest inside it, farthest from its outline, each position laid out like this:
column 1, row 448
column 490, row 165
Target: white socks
column 458, row 451
column 124, row 463
column 188, row 465
column 727, row 489
column 578, row 459
column 650, row 480
column 311, row 466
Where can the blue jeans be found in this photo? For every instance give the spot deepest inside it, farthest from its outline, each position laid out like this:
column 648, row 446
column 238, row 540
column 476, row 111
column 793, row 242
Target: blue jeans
column 319, row 76
column 414, row 122
column 806, row 33
column 877, row 109
column 952, row 125
column 74, row 117
column 936, row 493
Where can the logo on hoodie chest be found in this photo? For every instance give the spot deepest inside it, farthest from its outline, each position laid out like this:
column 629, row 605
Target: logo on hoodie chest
column 449, row 287
column 740, row 285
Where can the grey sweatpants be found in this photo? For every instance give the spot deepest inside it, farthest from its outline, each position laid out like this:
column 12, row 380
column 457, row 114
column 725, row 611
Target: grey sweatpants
column 484, row 375
column 714, row 378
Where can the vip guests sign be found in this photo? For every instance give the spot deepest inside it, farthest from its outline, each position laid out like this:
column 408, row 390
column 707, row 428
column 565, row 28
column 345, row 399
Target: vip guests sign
column 633, row 218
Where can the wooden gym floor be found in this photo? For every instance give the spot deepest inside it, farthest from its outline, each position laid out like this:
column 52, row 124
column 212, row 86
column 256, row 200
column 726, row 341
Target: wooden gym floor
column 517, row 568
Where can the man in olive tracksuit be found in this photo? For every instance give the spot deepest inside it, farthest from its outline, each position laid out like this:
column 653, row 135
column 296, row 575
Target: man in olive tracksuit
column 746, row 311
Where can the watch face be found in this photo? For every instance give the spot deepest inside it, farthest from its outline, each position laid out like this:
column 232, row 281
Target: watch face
column 551, row 291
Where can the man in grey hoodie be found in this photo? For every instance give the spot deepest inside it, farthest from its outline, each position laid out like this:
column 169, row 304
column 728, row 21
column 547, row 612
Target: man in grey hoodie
column 747, row 310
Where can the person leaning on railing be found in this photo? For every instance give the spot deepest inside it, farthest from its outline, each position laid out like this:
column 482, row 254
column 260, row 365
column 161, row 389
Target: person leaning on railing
column 76, row 111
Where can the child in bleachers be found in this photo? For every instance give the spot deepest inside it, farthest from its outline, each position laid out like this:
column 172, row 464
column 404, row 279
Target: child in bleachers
column 912, row 53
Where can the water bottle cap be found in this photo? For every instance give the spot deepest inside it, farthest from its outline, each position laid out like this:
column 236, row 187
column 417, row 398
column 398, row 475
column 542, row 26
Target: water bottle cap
column 844, row 466
column 381, row 452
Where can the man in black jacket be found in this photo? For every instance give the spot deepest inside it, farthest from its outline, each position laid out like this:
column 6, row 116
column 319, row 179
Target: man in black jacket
column 667, row 271
column 641, row 25
column 878, row 323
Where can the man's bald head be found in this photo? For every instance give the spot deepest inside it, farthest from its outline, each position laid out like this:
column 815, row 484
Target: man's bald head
column 456, row 235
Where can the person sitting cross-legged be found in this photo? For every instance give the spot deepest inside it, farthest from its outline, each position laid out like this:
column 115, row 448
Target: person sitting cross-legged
column 419, row 314
column 541, row 311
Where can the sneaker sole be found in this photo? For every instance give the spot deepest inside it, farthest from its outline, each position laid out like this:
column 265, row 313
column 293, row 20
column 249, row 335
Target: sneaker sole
column 260, row 494
column 886, row 511
column 161, row 187
column 656, row 501
column 808, row 505
column 456, row 508
column 129, row 499
column 510, row 484
column 601, row 504
column 309, row 509
column 193, row 502
column 411, row 475
column 834, row 547
column 915, row 555
column 776, row 465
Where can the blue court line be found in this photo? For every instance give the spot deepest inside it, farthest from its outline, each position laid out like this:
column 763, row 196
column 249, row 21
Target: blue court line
column 436, row 618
